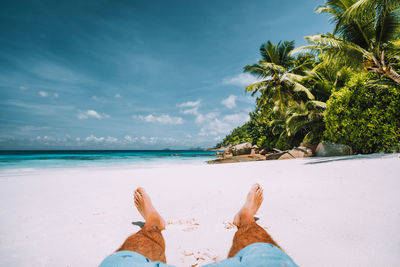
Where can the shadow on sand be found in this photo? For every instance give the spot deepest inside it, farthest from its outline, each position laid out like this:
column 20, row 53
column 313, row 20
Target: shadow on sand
column 320, row 160
column 138, row 223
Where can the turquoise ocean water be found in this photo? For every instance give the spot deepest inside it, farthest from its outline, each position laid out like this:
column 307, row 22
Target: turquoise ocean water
column 100, row 158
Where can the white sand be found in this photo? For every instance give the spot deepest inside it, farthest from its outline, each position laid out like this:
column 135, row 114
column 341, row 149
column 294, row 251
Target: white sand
column 338, row 213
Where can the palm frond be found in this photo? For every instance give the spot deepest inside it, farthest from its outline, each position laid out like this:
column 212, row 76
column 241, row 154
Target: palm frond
column 268, row 52
column 302, row 63
column 257, row 70
column 255, row 87
column 326, row 41
column 336, row 50
column 343, row 76
column 298, row 87
column 387, row 27
column 284, row 52
column 364, row 9
column 328, row 9
column 316, row 104
column 275, row 68
column 356, row 32
column 293, row 77
column 316, row 49
column 393, row 49
column 277, row 126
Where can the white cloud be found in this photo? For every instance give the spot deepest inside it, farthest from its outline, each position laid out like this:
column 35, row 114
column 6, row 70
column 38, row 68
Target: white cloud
column 229, row 102
column 94, row 141
column 216, row 125
column 193, row 111
column 200, row 118
column 42, row 93
column 93, row 138
column 217, row 138
column 46, row 94
column 108, row 139
column 157, row 140
column 242, row 79
column 163, row 119
column 90, row 113
column 238, row 118
column 189, row 104
column 152, row 140
column 117, row 96
column 111, row 139
column 98, row 99
column 191, row 107
column 212, row 123
column 29, row 128
column 48, row 138
column 129, row 139
column 93, row 113
column 168, row 140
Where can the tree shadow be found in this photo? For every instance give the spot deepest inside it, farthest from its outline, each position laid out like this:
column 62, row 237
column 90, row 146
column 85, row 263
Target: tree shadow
column 321, row 160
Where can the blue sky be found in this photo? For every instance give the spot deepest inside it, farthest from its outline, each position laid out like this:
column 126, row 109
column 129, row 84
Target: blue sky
column 99, row 74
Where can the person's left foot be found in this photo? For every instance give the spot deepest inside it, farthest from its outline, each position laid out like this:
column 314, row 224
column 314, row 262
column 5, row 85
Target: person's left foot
column 146, row 209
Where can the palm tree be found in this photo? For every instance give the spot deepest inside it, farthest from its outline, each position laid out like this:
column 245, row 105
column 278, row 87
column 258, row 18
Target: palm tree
column 306, row 119
column 365, row 35
column 324, row 78
column 279, row 75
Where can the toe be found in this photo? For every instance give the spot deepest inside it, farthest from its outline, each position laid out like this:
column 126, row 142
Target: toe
column 140, row 190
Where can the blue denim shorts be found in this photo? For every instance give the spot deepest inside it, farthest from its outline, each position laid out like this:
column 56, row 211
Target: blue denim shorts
column 257, row 255
column 254, row 255
column 130, row 259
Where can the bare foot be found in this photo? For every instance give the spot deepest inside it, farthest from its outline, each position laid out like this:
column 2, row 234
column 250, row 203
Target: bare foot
column 146, row 209
column 250, row 207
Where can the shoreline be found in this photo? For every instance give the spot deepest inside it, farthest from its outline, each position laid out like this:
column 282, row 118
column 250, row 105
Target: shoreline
column 33, row 160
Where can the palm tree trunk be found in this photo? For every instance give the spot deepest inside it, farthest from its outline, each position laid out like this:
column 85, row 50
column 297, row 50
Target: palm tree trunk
column 382, row 69
column 393, row 75
column 388, row 69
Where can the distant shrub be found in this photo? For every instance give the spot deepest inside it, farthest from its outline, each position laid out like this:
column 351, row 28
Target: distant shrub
column 283, row 142
column 259, row 131
column 365, row 116
column 237, row 136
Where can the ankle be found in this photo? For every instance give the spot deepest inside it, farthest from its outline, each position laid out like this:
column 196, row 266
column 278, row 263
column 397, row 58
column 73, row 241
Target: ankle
column 156, row 222
column 244, row 219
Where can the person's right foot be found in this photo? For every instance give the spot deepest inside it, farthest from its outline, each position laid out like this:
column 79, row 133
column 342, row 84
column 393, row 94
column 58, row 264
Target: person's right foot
column 250, row 207
column 146, row 209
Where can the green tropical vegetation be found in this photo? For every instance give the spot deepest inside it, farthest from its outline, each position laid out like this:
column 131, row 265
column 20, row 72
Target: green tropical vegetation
column 364, row 114
column 342, row 87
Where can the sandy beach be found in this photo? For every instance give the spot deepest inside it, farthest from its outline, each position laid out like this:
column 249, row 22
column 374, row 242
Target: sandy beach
column 323, row 212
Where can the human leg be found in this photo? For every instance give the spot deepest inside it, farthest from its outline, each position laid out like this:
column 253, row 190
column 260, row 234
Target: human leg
column 252, row 245
column 249, row 231
column 149, row 241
